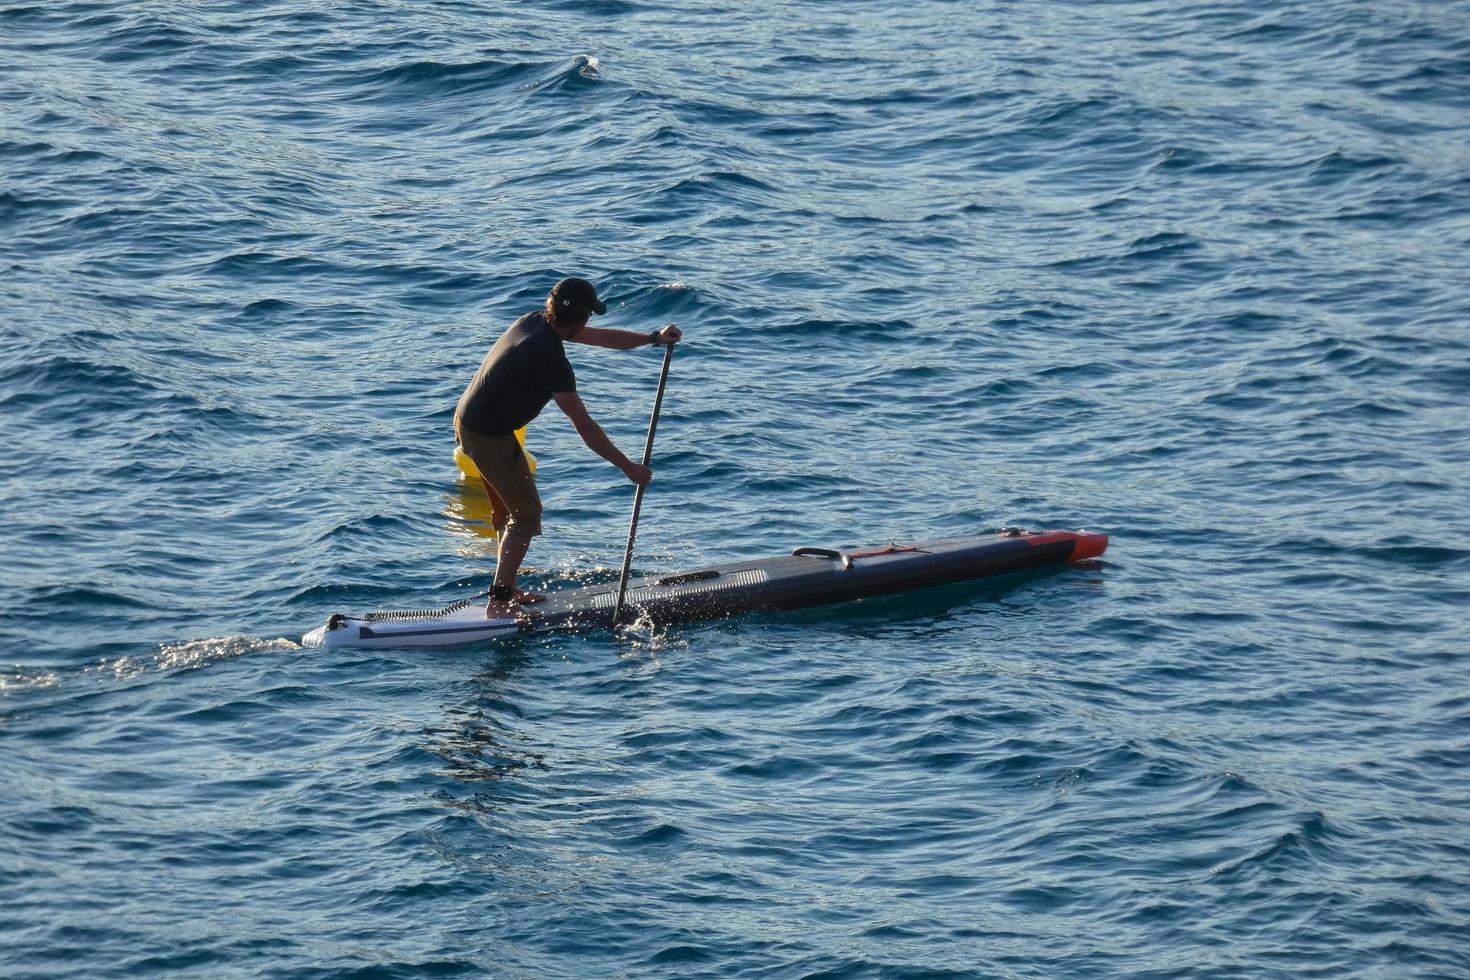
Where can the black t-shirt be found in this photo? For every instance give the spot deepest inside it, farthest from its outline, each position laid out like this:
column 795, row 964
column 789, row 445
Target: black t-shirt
column 517, row 378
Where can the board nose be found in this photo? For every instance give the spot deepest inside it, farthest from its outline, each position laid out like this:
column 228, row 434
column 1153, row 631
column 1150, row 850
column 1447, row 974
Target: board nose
column 1089, row 545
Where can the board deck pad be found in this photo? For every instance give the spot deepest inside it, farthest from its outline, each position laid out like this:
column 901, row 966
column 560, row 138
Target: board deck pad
column 807, row 577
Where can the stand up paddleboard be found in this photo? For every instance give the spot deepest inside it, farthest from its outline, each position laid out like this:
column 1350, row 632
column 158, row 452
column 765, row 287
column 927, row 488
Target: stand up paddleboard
column 806, row 577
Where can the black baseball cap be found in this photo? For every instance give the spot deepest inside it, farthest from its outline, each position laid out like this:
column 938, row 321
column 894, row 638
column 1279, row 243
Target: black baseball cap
column 577, row 294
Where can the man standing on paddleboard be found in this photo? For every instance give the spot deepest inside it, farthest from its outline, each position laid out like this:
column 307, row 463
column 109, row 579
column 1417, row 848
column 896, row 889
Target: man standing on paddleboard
column 527, row 368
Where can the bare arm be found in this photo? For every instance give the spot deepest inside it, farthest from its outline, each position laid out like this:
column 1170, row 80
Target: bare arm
column 571, row 405
column 626, row 339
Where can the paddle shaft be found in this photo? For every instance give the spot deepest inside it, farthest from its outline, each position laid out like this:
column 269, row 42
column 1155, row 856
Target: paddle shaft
column 658, row 403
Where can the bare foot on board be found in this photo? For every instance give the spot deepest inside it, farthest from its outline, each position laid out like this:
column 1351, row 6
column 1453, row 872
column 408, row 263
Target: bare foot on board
column 506, row 610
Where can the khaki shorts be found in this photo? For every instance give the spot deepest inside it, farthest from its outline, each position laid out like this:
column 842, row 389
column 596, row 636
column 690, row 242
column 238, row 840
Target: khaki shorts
column 515, row 506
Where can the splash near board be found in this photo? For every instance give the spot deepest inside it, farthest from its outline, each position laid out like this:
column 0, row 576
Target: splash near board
column 806, row 577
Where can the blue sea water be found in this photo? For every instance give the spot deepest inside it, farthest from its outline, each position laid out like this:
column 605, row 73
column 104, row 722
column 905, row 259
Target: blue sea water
column 1190, row 273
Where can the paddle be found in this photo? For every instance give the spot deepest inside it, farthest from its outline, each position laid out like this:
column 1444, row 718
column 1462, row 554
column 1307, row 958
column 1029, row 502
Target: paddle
column 658, row 403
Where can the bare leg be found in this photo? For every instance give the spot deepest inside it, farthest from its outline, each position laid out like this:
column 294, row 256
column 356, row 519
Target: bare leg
column 499, row 513
column 513, row 548
column 512, row 552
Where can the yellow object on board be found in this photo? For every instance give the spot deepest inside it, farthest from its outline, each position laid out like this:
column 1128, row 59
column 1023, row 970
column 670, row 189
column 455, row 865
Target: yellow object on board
column 468, row 468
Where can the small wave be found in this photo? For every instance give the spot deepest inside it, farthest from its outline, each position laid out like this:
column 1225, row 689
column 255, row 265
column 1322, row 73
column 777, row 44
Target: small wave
column 1439, row 80
column 602, row 8
column 719, row 180
column 1164, row 244
column 878, row 331
column 11, row 148
column 670, row 299
column 143, row 40
column 1184, row 158
column 258, row 266
column 56, row 377
column 265, row 307
column 663, row 837
column 14, row 206
column 1161, row 247
column 565, row 75
column 439, row 78
column 1270, row 30
column 369, row 526
column 1416, row 555
column 72, row 598
column 671, row 955
column 1338, row 166
column 1066, row 110
column 1310, row 842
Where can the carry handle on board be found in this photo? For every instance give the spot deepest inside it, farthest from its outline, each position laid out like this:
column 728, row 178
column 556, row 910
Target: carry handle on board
column 658, row 402
column 830, row 554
